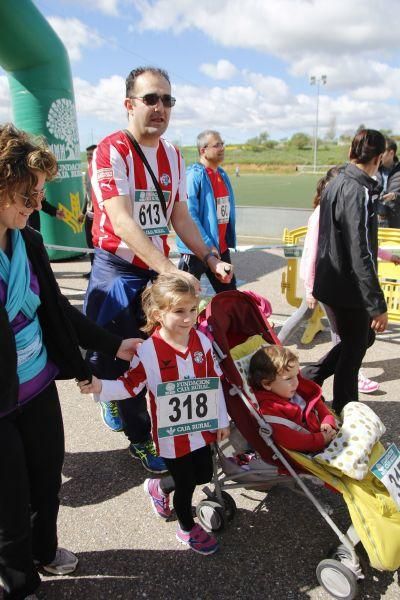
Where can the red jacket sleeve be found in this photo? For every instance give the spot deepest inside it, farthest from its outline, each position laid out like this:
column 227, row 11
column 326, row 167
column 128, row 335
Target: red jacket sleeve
column 296, row 440
column 325, row 415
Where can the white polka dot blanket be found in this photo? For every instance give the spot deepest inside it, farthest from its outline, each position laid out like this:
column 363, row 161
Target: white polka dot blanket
column 350, row 450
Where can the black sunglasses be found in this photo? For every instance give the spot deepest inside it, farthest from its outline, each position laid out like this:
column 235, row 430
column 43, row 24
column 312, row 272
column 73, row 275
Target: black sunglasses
column 152, row 99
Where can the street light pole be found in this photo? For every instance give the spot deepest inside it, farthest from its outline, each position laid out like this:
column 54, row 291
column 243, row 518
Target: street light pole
column 317, row 81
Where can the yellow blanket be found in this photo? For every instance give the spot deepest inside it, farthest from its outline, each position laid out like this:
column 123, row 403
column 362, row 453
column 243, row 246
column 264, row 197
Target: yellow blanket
column 374, row 514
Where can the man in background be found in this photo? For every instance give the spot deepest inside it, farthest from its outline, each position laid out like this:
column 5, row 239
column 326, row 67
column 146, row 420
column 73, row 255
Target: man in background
column 87, row 209
column 211, row 204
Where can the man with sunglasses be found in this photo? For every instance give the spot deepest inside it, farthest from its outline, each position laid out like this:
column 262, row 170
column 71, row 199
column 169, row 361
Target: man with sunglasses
column 139, row 187
column 211, row 204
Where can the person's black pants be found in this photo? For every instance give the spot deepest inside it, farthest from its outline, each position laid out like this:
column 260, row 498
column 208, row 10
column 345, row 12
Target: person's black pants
column 187, row 472
column 191, row 264
column 31, row 459
column 88, row 233
column 344, row 360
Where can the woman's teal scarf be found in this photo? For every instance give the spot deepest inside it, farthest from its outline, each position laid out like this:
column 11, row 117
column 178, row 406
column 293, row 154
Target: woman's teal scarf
column 32, row 355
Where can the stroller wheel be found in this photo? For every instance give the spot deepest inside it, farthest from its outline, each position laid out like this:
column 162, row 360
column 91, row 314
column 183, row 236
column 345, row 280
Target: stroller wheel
column 211, row 515
column 337, row 579
column 230, row 505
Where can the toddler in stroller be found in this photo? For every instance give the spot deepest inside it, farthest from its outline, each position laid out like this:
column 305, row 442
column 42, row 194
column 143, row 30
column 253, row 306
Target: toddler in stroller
column 239, row 328
column 294, row 405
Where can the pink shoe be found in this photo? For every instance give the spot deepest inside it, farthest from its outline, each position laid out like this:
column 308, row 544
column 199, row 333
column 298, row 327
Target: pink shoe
column 198, row 540
column 159, row 501
column 365, row 385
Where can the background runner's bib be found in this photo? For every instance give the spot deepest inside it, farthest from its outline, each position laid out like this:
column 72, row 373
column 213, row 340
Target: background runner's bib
column 187, row 405
column 223, row 210
column 148, row 213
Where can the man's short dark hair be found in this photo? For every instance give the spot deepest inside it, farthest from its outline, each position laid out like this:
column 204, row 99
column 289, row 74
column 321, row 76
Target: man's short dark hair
column 134, row 74
column 91, row 148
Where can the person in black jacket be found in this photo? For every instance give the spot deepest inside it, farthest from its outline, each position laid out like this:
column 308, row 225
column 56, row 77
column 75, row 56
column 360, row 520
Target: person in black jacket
column 49, row 209
column 388, row 177
column 40, row 333
column 346, row 277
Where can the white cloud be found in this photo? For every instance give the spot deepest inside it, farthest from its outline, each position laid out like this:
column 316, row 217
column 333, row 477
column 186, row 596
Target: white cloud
column 75, row 35
column 5, row 106
column 275, row 89
column 287, row 28
column 103, row 100
column 223, row 69
column 238, row 112
column 107, row 7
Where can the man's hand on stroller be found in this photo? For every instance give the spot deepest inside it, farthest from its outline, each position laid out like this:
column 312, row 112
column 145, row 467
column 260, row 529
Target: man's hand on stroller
column 223, row 434
column 328, row 432
column 222, row 270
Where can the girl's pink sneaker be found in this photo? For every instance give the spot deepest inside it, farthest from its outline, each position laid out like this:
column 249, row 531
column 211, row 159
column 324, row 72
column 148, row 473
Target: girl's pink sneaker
column 198, row 540
column 365, row 385
column 159, row 500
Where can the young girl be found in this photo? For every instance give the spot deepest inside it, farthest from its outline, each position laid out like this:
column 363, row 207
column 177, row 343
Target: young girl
column 177, row 366
column 293, row 405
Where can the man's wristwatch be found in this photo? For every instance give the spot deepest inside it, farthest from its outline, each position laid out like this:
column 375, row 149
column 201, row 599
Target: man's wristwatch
column 208, row 255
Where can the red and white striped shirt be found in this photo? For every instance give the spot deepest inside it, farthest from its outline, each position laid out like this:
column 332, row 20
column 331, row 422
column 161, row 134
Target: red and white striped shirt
column 117, row 170
column 157, row 362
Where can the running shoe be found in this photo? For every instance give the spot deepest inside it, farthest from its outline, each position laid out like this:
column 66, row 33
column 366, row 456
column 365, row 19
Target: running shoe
column 64, row 562
column 146, row 452
column 110, row 415
column 159, row 500
column 198, row 540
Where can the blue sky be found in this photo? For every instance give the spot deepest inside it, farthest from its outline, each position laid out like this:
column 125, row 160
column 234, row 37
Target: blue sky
column 239, row 66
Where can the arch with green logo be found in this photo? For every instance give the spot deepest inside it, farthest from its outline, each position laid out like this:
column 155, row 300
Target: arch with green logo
column 42, row 99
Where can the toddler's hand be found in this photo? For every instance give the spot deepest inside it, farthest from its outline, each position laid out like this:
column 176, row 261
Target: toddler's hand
column 326, row 427
column 223, row 434
column 93, row 387
column 328, row 434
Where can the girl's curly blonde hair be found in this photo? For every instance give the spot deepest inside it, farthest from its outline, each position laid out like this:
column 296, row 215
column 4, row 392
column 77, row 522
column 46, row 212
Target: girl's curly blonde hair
column 21, row 157
column 166, row 291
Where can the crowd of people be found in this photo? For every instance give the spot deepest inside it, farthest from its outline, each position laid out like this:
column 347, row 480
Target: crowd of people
column 137, row 186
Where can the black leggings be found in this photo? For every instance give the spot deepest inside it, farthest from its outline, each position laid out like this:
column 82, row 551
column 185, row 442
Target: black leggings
column 31, row 458
column 344, row 360
column 187, row 471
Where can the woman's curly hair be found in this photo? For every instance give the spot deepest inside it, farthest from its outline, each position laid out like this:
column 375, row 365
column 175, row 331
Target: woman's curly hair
column 21, row 156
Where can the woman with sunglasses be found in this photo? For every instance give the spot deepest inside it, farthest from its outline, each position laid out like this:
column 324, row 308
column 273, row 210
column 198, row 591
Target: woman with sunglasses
column 40, row 335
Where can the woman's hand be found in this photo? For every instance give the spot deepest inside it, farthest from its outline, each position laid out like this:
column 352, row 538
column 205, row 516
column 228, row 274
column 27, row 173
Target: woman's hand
column 311, row 301
column 395, row 258
column 93, row 387
column 223, row 434
column 389, row 197
column 379, row 323
column 128, row 348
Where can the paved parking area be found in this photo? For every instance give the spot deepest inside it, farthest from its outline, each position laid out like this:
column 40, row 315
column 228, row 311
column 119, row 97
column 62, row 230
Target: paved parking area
column 125, row 552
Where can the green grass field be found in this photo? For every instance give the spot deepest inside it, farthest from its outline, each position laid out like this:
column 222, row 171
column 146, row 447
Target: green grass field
column 293, row 191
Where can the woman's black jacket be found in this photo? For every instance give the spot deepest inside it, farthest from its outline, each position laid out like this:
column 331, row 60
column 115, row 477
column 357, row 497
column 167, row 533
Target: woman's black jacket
column 346, row 266
column 64, row 328
column 391, row 209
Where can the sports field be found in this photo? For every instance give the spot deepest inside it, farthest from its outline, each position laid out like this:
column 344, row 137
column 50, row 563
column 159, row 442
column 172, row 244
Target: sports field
column 293, row 191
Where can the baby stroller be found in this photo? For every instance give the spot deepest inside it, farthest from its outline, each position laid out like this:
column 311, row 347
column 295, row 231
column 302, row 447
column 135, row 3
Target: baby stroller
column 229, row 320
